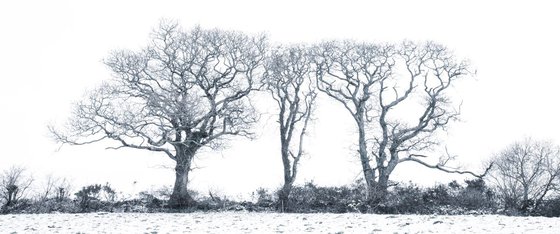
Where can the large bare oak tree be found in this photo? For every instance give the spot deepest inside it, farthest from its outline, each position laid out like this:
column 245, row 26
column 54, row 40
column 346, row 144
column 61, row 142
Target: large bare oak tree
column 186, row 90
column 377, row 83
column 288, row 78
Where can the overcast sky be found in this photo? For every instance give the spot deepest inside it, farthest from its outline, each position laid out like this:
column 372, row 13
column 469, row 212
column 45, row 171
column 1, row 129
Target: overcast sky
column 51, row 52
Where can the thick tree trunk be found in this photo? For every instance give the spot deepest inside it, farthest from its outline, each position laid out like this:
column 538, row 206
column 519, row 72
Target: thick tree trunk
column 8, row 201
column 525, row 193
column 284, row 197
column 12, row 193
column 381, row 188
column 525, row 203
column 289, row 177
column 180, row 198
column 382, row 184
column 369, row 174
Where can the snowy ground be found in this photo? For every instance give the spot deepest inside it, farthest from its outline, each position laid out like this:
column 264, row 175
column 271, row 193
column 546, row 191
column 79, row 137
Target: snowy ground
column 243, row 222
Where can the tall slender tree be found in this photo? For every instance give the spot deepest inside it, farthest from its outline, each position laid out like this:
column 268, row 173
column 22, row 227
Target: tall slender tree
column 288, row 78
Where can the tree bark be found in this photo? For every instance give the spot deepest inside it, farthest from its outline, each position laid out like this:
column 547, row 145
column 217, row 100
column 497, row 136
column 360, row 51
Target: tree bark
column 12, row 193
column 381, row 188
column 9, row 200
column 180, row 198
column 369, row 175
column 284, row 197
column 289, row 176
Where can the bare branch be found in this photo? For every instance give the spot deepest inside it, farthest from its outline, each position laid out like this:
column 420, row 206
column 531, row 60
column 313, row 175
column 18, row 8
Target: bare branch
column 375, row 81
column 187, row 89
column 526, row 170
column 14, row 183
column 444, row 169
column 289, row 80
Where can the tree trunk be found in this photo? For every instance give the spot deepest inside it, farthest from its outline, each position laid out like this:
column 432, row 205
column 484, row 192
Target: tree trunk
column 526, row 203
column 9, row 200
column 369, row 174
column 382, row 184
column 12, row 194
column 284, row 197
column 180, row 198
column 289, row 176
column 381, row 188
column 525, row 192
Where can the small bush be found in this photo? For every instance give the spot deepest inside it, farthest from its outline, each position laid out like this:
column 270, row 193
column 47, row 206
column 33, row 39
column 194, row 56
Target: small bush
column 19, row 207
column 264, row 198
column 311, row 198
column 14, row 183
column 438, row 196
column 151, row 201
column 549, row 208
column 54, row 205
column 450, row 199
column 407, row 199
column 218, row 202
column 476, row 196
column 158, row 198
column 90, row 198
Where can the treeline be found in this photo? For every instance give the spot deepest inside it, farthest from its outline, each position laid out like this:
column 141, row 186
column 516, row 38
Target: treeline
column 472, row 197
column 193, row 89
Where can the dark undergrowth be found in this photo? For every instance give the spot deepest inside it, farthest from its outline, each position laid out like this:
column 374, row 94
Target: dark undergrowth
column 471, row 197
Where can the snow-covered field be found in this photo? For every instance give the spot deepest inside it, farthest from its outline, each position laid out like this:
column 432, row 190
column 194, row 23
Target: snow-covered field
column 244, row 222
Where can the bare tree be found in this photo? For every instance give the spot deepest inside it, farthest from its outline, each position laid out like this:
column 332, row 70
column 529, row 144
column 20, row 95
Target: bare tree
column 347, row 73
column 14, row 183
column 62, row 190
column 377, row 83
column 288, row 78
column 186, row 90
column 525, row 172
column 57, row 188
column 48, row 188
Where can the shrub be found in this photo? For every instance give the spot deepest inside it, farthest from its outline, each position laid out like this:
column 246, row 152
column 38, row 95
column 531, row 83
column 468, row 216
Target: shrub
column 109, row 193
column 437, row 196
column 549, row 208
column 157, row 198
column 264, row 198
column 450, row 199
column 407, row 199
column 218, row 202
column 14, row 183
column 54, row 205
column 476, row 196
column 311, row 198
column 21, row 206
column 89, row 198
column 151, row 201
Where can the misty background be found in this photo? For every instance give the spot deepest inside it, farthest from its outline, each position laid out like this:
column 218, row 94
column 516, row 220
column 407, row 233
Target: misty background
column 51, row 53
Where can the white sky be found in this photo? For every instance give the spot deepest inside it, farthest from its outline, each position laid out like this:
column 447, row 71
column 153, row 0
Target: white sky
column 51, row 52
